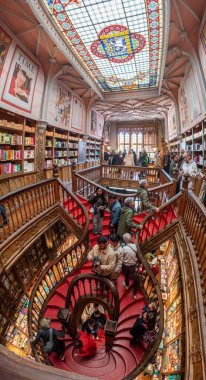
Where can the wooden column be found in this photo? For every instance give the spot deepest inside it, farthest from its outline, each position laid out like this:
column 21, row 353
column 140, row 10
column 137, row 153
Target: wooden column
column 101, row 155
column 175, row 180
column 56, row 184
column 74, row 179
column 162, row 150
column 182, row 206
column 40, row 149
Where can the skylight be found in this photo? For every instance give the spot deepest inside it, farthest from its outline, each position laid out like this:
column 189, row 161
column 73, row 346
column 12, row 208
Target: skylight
column 118, row 41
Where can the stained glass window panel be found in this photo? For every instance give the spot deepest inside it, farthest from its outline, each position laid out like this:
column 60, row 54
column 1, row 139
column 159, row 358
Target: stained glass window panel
column 118, row 41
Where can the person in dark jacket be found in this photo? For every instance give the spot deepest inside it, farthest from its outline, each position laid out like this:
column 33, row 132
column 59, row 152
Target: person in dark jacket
column 99, row 318
column 3, row 215
column 143, row 194
column 139, row 328
column 99, row 203
column 173, row 165
column 126, row 223
column 181, row 158
column 115, row 212
column 167, row 161
column 44, row 335
column 90, row 327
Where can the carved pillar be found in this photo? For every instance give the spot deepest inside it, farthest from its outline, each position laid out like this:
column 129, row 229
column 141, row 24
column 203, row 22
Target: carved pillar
column 40, row 149
column 101, row 155
column 183, row 202
column 175, row 180
column 74, row 178
column 162, row 150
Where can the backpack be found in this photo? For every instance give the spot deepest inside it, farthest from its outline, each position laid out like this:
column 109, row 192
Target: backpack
column 50, row 344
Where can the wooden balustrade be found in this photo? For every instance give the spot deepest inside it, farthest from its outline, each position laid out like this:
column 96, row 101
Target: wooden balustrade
column 155, row 223
column 88, row 288
column 23, row 205
column 152, row 174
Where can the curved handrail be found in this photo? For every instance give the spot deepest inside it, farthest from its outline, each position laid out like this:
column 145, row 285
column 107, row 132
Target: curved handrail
column 153, row 293
column 165, row 217
column 22, row 205
column 93, row 186
column 93, row 287
column 60, row 268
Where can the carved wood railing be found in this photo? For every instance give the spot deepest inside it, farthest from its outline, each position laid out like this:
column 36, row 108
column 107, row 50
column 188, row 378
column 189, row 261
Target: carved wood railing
column 158, row 195
column 88, row 288
column 23, row 205
column 155, row 224
column 152, row 174
column 193, row 217
column 151, row 289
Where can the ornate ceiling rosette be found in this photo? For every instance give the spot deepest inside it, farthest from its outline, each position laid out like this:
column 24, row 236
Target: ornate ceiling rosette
column 121, row 39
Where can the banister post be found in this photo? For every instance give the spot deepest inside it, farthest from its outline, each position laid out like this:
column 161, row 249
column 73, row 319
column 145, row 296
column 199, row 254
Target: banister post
column 185, row 182
column 56, row 185
column 101, row 155
column 74, row 178
column 175, row 180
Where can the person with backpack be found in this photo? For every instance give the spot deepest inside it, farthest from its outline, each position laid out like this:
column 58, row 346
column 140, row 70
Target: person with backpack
column 129, row 262
column 50, row 336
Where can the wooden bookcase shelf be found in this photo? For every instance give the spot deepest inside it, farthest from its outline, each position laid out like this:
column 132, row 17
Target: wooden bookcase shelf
column 193, row 141
column 17, row 144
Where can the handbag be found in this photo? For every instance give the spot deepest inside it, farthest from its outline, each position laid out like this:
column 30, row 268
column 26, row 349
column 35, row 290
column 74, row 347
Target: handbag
column 50, row 344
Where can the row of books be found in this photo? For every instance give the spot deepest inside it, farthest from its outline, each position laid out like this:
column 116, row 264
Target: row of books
column 10, row 154
column 9, row 168
column 60, row 153
column 28, row 166
column 29, row 153
column 29, row 140
column 60, row 144
column 11, row 124
column 7, row 138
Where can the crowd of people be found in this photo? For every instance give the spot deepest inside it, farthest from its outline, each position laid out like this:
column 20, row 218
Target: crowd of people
column 129, row 158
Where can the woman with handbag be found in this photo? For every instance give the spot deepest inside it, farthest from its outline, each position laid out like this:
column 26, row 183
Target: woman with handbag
column 99, row 203
column 50, row 336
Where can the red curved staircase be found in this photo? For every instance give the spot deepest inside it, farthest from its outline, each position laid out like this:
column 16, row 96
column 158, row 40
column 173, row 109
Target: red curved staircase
column 123, row 358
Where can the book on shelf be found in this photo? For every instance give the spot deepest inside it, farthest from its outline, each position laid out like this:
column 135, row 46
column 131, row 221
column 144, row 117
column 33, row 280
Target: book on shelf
column 28, row 166
column 7, row 138
column 29, row 153
column 8, row 154
column 9, row 168
column 29, row 140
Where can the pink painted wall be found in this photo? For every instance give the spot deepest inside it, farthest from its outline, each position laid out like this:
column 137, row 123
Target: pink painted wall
column 25, row 100
column 202, row 44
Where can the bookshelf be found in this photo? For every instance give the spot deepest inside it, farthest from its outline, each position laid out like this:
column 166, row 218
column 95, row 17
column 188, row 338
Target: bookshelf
column 17, row 283
column 73, row 147
column 194, row 141
column 17, row 144
column 173, row 347
column 93, row 149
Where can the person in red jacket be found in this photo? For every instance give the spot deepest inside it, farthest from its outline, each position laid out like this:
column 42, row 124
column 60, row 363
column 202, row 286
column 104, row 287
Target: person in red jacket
column 86, row 344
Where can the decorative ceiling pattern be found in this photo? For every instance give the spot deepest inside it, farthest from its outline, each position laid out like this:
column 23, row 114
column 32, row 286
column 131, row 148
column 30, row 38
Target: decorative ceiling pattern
column 119, row 42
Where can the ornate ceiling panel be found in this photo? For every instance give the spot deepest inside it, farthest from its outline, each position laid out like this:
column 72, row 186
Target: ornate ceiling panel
column 119, row 42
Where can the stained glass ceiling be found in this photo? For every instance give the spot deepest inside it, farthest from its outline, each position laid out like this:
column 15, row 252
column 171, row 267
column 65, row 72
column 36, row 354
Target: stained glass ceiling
column 118, row 41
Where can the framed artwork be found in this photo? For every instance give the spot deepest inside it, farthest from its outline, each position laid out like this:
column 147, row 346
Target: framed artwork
column 63, row 107
column 21, row 81
column 93, row 122
column 203, row 37
column 5, row 42
column 77, row 114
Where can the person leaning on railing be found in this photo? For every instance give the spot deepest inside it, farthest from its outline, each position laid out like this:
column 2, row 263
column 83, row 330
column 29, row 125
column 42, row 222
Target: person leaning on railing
column 143, row 194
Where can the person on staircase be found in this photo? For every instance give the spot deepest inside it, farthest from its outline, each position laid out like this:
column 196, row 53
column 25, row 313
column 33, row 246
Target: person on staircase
column 115, row 212
column 115, row 244
column 90, row 327
column 3, row 215
column 99, row 318
column 99, row 203
column 86, row 344
column 126, row 223
column 143, row 194
column 129, row 262
column 139, row 328
column 173, row 164
column 50, row 336
column 189, row 167
column 105, row 264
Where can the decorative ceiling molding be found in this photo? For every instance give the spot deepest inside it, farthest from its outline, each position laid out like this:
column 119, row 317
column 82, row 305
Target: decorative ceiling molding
column 49, row 25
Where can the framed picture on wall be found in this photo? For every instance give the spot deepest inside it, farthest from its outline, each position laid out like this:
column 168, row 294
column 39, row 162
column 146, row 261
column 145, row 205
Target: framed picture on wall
column 21, row 81
column 5, row 42
column 63, row 107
